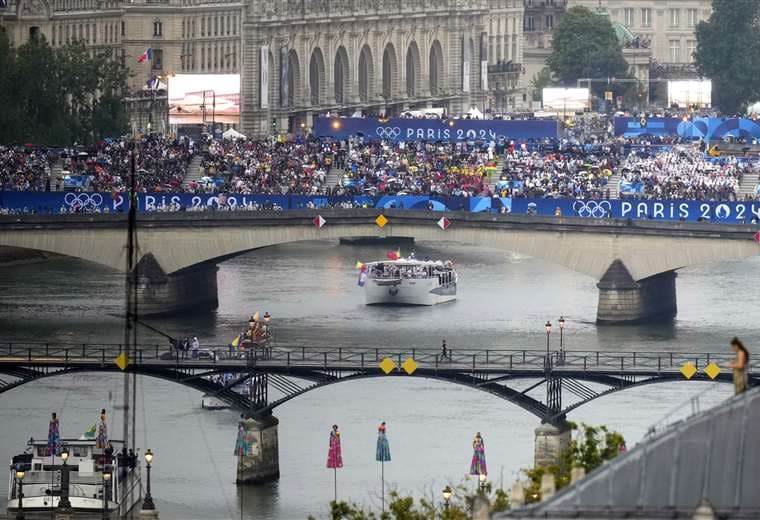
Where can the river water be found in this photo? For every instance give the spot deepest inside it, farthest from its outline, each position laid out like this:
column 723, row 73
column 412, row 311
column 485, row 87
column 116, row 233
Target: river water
column 310, row 290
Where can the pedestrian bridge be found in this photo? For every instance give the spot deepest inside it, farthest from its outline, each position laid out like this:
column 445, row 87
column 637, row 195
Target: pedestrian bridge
column 634, row 261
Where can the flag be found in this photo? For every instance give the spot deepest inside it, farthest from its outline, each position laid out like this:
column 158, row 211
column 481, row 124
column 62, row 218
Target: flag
column 147, row 55
column 152, row 83
column 394, row 255
column 236, row 342
column 256, row 316
column 90, row 433
column 359, row 265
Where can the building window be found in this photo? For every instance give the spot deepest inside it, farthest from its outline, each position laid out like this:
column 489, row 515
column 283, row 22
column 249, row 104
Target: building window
column 549, row 22
column 646, row 17
column 158, row 59
column 123, row 29
column 530, row 23
column 693, row 17
column 158, row 28
column 203, row 27
column 675, row 51
column 675, row 15
column 628, row 17
column 691, row 48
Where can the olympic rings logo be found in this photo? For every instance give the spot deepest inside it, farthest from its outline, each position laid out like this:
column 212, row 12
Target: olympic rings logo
column 389, row 132
column 592, row 208
column 83, row 200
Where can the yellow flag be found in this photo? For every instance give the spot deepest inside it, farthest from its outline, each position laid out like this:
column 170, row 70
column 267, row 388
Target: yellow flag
column 398, row 252
column 359, row 265
column 236, row 341
column 256, row 316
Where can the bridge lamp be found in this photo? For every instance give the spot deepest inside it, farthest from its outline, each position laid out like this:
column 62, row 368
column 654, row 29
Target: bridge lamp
column 63, row 503
column 148, row 504
column 548, row 333
column 20, row 478
column 561, row 329
column 482, row 478
column 447, row 493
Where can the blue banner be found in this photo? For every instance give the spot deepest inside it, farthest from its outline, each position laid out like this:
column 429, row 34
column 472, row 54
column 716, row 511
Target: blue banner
column 400, row 129
column 706, row 128
column 666, row 210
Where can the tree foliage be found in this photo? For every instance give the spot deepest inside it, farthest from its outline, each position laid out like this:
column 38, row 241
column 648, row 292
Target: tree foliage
column 59, row 96
column 541, row 80
column 584, row 45
column 406, row 508
column 728, row 52
column 590, row 448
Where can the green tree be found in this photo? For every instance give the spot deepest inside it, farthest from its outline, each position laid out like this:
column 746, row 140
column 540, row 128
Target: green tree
column 585, row 46
column 591, row 447
column 541, row 80
column 59, row 96
column 728, row 52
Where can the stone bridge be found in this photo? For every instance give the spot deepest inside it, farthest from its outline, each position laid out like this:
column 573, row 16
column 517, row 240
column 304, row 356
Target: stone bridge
column 634, row 262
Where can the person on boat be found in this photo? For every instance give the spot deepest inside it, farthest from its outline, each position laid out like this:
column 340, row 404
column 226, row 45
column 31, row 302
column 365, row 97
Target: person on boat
column 101, row 441
column 108, row 453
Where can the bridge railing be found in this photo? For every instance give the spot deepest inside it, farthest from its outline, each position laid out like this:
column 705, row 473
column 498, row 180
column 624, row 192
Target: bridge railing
column 346, row 358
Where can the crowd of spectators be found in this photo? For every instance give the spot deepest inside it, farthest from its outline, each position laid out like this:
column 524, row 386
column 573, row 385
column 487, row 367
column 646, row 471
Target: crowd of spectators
column 581, row 165
column 683, row 172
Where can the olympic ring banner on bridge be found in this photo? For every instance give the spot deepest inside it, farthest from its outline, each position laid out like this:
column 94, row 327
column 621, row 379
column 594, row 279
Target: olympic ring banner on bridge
column 707, row 128
column 672, row 210
column 400, row 129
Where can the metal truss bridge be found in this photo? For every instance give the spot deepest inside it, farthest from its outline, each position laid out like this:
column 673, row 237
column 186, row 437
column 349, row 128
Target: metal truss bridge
column 548, row 385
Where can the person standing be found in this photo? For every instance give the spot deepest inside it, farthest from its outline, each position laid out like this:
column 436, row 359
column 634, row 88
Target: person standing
column 740, row 366
column 444, row 351
column 196, row 347
column 478, row 463
column 101, row 441
column 54, row 436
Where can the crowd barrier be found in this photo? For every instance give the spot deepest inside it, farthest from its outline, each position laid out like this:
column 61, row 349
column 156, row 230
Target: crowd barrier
column 706, row 128
column 402, row 129
column 673, row 210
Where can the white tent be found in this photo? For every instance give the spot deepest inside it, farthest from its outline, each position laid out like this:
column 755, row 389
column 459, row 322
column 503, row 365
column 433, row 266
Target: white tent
column 233, row 134
column 474, row 113
column 754, row 108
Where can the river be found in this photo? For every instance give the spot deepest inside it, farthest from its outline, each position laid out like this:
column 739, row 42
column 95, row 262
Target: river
column 310, row 290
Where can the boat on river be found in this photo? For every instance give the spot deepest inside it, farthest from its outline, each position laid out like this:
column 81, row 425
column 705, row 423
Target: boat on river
column 408, row 281
column 97, row 486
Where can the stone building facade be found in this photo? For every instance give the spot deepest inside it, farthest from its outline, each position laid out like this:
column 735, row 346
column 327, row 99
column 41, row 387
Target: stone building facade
column 309, row 57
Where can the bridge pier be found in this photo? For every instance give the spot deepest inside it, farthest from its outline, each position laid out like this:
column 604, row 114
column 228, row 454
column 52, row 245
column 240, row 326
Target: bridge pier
column 263, row 462
column 623, row 300
column 550, row 441
column 192, row 289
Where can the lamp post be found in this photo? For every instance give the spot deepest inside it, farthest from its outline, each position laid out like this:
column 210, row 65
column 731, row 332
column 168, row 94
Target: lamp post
column 482, row 485
column 561, row 329
column 106, row 480
column 20, row 479
column 447, row 492
column 148, row 502
column 548, row 333
column 64, row 504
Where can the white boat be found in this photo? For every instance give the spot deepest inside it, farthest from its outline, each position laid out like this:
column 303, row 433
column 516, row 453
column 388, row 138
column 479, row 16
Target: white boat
column 211, row 402
column 46, row 481
column 409, row 282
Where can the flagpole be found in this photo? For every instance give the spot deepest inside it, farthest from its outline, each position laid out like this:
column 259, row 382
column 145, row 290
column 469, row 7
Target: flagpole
column 335, row 472
column 382, row 478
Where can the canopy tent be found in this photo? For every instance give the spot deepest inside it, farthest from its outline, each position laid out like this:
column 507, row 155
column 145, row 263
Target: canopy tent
column 474, row 113
column 233, row 134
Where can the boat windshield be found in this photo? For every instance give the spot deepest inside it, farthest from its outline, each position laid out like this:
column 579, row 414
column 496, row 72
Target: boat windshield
column 383, row 270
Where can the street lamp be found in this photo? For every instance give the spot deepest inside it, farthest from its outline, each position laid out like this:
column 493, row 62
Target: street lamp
column 106, row 480
column 447, row 492
column 64, row 504
column 561, row 329
column 548, row 333
column 482, row 477
column 20, row 479
column 148, row 502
